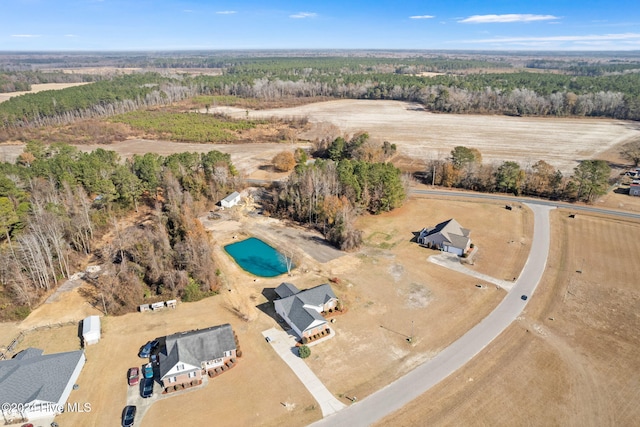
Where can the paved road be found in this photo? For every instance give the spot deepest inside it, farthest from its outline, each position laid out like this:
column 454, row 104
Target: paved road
column 283, row 344
column 512, row 199
column 405, row 389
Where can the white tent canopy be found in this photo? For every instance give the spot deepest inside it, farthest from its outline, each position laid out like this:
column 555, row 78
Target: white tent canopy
column 91, row 330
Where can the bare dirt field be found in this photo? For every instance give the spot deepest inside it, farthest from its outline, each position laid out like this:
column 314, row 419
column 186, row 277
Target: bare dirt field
column 392, row 292
column 39, row 88
column 561, row 142
column 571, row 359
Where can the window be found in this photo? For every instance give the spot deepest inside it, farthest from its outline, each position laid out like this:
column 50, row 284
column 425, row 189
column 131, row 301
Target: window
column 192, row 374
column 171, row 380
column 180, row 367
column 227, row 354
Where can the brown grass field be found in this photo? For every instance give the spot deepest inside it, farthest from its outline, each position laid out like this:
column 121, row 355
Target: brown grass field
column 572, row 357
column 386, row 286
column 419, row 134
column 39, row 88
column 577, row 369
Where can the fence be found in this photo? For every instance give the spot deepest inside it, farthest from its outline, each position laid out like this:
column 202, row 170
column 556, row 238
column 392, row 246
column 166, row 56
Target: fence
column 17, row 340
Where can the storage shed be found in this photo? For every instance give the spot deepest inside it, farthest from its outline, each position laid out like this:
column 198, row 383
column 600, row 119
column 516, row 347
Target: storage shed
column 231, row 200
column 91, row 330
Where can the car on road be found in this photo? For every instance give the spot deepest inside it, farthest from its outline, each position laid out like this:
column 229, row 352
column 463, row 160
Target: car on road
column 128, row 415
column 146, row 349
column 523, row 297
column 147, row 388
column 133, row 376
column 148, row 370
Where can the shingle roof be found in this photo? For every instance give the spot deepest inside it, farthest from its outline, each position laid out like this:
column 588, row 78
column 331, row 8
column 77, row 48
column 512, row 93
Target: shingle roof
column 33, row 376
column 317, row 296
column 286, row 290
column 301, row 316
column 294, row 305
column 452, row 231
column 194, row 347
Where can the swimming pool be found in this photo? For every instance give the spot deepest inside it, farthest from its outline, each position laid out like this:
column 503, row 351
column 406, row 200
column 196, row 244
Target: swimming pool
column 258, row 258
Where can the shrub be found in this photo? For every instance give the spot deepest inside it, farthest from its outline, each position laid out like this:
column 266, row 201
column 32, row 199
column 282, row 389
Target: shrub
column 239, row 353
column 284, row 161
column 472, row 246
column 305, row 340
column 304, row 352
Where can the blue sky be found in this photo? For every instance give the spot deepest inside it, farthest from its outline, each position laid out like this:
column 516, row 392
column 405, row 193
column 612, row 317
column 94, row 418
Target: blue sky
column 325, row 24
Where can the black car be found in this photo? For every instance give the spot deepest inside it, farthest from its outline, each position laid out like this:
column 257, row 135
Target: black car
column 147, row 388
column 128, row 416
column 523, row 297
column 146, row 349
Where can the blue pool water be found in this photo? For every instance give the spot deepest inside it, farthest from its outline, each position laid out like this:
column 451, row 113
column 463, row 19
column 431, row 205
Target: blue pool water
column 258, row 258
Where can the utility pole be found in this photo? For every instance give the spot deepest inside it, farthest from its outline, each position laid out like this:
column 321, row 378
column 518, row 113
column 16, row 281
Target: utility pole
column 410, row 339
column 433, row 175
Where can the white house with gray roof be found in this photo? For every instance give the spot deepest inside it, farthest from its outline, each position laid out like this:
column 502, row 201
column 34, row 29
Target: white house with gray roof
column 447, row 236
column 301, row 309
column 231, row 200
column 187, row 355
column 36, row 385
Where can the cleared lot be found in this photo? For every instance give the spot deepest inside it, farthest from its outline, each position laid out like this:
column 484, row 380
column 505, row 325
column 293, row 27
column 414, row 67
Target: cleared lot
column 39, row 88
column 420, row 134
column 572, row 357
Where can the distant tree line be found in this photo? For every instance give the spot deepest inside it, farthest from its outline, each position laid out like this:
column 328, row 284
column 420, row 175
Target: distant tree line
column 57, row 204
column 521, row 93
column 465, row 169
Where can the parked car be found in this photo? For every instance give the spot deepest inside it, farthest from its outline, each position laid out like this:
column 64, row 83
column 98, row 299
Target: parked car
column 128, row 415
column 133, row 375
column 148, row 370
column 147, row 388
column 523, row 297
column 146, row 349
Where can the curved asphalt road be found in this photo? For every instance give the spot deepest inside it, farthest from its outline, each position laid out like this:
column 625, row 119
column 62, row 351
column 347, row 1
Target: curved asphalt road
column 402, row 391
column 529, row 202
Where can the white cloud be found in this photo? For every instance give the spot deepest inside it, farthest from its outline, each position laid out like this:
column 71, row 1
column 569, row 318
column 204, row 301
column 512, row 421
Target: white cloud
column 70, row 35
column 302, row 15
column 187, row 11
column 421, row 17
column 585, row 38
column 226, row 12
column 511, row 17
column 25, row 36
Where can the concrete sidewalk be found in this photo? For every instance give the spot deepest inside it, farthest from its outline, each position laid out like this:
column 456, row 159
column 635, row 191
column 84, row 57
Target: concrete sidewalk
column 284, row 345
column 452, row 262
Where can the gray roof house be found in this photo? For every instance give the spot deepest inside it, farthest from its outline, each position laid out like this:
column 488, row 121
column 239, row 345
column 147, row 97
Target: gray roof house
column 301, row 309
column 231, row 200
column 194, row 351
column 448, row 236
column 38, row 384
